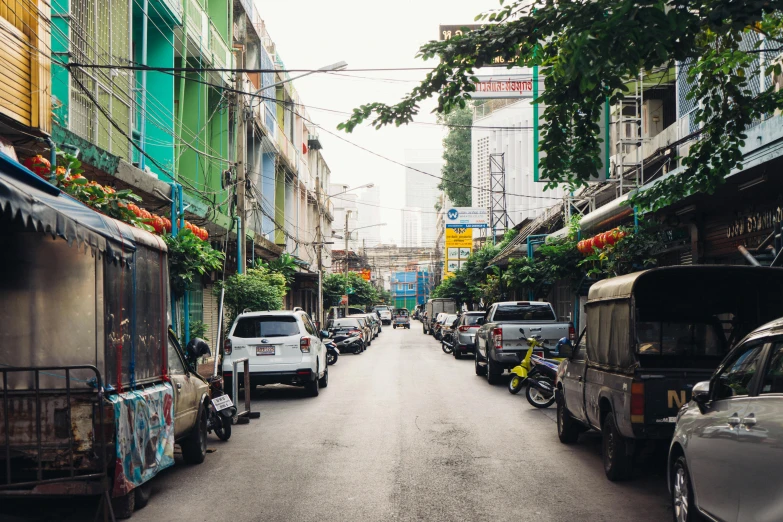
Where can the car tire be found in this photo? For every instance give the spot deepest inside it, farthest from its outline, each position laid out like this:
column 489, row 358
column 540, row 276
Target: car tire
column 493, row 375
column 143, row 493
column 323, row 382
column 311, row 388
column 618, row 464
column 568, row 429
column 479, row 369
column 194, row 447
column 124, row 505
column 683, row 507
column 457, row 353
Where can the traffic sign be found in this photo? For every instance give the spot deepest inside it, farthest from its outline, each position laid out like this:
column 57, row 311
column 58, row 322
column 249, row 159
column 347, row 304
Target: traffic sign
column 350, row 290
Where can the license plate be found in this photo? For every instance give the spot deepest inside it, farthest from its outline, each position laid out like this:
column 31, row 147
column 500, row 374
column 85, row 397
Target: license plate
column 222, row 402
column 265, row 350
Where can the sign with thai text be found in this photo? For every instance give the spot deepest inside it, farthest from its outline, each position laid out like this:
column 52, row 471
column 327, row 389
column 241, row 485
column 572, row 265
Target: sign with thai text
column 467, row 217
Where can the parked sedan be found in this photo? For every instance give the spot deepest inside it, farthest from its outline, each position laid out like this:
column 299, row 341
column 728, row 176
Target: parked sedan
column 372, row 320
column 467, row 327
column 367, row 333
column 724, row 460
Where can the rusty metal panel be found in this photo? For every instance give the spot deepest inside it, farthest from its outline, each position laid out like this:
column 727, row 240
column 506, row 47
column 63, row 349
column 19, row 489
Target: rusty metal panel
column 47, row 305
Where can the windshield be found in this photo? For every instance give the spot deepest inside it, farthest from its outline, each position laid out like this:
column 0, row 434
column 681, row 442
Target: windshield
column 680, row 338
column 471, row 320
column 450, row 319
column 266, row 326
column 401, row 311
column 523, row 312
column 344, row 323
column 381, row 309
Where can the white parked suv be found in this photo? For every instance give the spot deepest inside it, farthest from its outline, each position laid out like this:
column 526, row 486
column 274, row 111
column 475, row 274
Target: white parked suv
column 282, row 347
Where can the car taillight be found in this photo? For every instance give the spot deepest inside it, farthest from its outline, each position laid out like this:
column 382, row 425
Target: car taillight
column 637, row 402
column 571, row 333
column 304, row 344
column 497, row 338
column 464, row 328
column 354, row 332
column 227, row 347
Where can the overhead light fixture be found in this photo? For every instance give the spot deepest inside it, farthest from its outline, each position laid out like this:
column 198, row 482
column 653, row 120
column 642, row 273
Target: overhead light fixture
column 753, row 182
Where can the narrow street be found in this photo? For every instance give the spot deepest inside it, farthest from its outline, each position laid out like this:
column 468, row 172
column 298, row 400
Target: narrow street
column 403, row 432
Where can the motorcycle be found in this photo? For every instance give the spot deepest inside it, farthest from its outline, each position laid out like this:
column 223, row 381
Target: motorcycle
column 332, row 352
column 350, row 341
column 221, row 408
column 534, row 371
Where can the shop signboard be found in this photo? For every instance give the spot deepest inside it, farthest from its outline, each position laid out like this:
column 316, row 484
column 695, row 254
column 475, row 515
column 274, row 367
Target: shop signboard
column 459, row 245
column 467, row 217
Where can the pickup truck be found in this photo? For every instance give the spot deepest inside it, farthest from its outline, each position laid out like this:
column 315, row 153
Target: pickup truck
column 501, row 341
column 649, row 338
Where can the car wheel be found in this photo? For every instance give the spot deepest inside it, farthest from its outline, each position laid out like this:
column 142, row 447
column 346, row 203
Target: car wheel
column 617, row 462
column 682, row 492
column 124, row 505
column 194, row 447
column 479, row 369
column 143, row 493
column 324, row 381
column 311, row 388
column 493, row 373
column 567, row 428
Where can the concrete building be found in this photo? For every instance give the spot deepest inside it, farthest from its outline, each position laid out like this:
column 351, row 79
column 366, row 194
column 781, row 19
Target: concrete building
column 515, row 140
column 411, row 227
column 369, row 215
column 422, row 173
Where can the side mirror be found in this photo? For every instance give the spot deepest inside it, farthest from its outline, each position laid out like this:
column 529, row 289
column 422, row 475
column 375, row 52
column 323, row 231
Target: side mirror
column 701, row 392
column 196, row 348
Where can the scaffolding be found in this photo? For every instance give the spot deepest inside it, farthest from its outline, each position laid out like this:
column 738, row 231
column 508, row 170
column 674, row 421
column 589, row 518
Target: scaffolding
column 629, row 138
column 497, row 192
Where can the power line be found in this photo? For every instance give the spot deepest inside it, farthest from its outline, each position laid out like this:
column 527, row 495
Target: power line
column 243, row 70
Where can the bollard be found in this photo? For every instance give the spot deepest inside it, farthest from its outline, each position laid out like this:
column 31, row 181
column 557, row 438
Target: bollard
column 243, row 416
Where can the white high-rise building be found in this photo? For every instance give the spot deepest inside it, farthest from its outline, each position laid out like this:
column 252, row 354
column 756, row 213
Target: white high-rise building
column 411, row 227
column 369, row 202
column 421, row 190
column 342, row 204
column 517, row 144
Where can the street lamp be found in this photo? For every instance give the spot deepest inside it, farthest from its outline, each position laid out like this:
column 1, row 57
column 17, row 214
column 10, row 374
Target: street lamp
column 339, row 66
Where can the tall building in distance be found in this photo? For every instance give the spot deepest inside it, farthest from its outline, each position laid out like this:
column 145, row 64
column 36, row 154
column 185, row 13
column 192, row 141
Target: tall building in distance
column 342, row 204
column 369, row 235
column 422, row 173
column 411, row 227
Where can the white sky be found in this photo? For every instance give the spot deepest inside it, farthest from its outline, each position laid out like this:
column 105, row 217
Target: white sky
column 310, row 34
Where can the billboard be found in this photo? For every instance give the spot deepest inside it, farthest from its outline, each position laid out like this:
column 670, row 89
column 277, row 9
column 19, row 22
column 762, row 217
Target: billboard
column 467, row 217
column 459, row 246
column 517, row 85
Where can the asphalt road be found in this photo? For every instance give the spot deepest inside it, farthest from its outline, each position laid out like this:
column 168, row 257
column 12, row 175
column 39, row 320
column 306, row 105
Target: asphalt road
column 403, row 432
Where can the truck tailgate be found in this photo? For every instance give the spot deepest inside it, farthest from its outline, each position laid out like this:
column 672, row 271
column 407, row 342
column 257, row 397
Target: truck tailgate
column 515, row 334
column 665, row 391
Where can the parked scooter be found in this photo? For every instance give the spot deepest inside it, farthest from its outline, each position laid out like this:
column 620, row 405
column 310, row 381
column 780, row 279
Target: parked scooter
column 332, row 352
column 534, row 371
column 221, row 408
column 350, row 341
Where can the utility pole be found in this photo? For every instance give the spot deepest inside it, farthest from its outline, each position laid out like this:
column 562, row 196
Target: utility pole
column 241, row 201
column 345, row 266
column 320, row 245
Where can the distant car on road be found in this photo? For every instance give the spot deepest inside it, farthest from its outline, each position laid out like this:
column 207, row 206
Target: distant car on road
column 384, row 312
column 724, row 460
column 402, row 318
column 282, row 347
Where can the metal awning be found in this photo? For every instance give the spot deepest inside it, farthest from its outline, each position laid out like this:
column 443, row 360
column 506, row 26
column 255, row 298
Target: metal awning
column 44, row 207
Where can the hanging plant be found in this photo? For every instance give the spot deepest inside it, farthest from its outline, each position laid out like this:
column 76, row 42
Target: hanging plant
column 190, row 256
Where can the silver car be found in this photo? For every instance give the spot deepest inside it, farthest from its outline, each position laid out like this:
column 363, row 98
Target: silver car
column 466, row 333
column 725, row 458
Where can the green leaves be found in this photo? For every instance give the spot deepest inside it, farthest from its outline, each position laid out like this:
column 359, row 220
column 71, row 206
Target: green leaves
column 456, row 153
column 258, row 289
column 335, row 285
column 189, row 256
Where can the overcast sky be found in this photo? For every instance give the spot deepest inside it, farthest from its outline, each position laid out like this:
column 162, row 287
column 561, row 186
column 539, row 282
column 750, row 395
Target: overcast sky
column 310, row 34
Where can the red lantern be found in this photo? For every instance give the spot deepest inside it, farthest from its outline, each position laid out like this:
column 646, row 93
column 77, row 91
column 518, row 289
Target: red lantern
column 206, row 234
column 589, row 244
column 39, row 165
column 598, row 241
column 157, row 224
column 167, row 224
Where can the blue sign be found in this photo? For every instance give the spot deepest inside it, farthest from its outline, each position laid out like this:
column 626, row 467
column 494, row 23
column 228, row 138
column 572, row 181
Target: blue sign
column 453, row 213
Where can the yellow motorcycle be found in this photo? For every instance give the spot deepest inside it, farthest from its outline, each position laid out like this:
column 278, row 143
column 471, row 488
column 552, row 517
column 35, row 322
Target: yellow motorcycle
column 521, row 372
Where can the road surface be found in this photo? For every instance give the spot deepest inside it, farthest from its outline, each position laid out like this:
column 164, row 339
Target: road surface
column 403, row 432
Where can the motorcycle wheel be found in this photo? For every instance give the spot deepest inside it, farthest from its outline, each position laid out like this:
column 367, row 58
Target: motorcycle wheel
column 446, row 348
column 331, row 358
column 515, row 384
column 538, row 399
column 223, row 428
